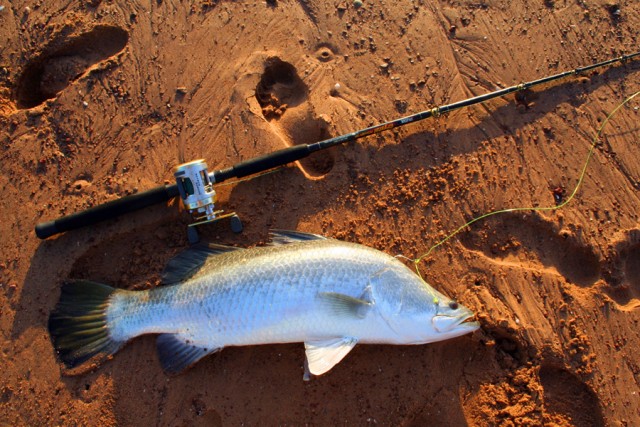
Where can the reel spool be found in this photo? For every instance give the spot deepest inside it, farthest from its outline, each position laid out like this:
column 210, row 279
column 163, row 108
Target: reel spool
column 198, row 196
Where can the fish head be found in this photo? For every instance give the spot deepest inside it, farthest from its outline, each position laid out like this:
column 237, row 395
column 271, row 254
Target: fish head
column 451, row 319
column 439, row 319
column 417, row 312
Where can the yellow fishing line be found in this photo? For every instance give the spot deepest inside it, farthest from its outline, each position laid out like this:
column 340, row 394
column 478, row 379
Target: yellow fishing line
column 416, row 261
column 596, row 138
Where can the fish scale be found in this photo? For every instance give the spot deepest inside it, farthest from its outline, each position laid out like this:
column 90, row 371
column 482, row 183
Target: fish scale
column 325, row 293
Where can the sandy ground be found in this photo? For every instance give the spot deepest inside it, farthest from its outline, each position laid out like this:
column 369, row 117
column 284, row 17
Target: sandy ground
column 99, row 98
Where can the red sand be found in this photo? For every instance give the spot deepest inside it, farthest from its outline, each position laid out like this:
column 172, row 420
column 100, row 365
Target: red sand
column 99, row 98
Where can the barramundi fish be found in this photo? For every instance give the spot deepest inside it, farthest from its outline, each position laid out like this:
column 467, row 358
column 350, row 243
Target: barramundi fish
column 328, row 294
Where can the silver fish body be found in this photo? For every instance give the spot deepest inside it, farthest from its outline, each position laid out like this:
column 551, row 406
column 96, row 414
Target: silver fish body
column 303, row 288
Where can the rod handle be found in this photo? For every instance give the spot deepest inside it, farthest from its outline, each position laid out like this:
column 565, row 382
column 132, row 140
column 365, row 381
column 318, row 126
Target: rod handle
column 106, row 211
column 263, row 163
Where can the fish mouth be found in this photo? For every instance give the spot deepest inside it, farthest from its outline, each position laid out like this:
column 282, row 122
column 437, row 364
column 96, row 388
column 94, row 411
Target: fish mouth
column 469, row 322
column 459, row 325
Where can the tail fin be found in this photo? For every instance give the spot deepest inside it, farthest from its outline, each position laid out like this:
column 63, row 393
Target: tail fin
column 78, row 324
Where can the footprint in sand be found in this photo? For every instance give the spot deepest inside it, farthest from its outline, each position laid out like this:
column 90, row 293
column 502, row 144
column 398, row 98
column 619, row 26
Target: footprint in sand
column 283, row 97
column 569, row 400
column 528, row 241
column 622, row 270
column 279, row 88
column 505, row 238
column 66, row 61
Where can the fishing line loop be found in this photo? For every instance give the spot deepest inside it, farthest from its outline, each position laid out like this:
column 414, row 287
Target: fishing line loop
column 594, row 143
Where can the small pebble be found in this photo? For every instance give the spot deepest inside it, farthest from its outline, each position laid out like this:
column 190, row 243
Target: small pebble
column 357, row 4
column 85, row 104
column 614, row 10
column 80, row 186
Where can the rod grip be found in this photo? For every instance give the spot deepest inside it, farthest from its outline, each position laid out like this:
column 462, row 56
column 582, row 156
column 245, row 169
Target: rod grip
column 106, row 211
column 263, row 163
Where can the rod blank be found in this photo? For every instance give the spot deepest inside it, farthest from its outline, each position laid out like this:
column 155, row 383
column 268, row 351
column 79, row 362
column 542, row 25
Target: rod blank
column 282, row 157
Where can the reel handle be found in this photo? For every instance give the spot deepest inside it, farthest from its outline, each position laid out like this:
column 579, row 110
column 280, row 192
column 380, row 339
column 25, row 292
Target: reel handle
column 107, row 210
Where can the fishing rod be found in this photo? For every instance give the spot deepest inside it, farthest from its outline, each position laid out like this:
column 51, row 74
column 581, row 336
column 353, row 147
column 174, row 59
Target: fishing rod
column 194, row 184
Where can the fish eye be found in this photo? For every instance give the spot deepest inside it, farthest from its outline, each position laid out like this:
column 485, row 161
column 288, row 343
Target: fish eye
column 453, row 305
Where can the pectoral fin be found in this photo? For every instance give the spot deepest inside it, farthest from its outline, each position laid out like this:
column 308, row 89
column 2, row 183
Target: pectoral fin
column 347, row 305
column 324, row 355
column 176, row 354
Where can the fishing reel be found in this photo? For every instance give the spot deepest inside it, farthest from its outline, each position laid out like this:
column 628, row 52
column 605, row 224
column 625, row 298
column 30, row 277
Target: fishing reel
column 198, row 197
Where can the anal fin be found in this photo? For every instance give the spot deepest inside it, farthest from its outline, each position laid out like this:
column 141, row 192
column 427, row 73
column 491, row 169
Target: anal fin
column 324, row 355
column 176, row 354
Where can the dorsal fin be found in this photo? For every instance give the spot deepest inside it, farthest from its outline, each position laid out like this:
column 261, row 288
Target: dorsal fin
column 285, row 237
column 188, row 262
